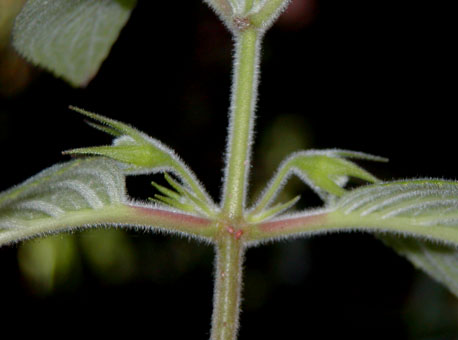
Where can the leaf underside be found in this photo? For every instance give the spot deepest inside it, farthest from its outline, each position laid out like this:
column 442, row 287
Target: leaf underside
column 70, row 38
column 438, row 260
column 427, row 206
column 77, row 187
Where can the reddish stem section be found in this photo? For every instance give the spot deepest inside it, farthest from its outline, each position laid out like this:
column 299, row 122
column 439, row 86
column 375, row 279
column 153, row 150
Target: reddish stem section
column 173, row 217
column 293, row 222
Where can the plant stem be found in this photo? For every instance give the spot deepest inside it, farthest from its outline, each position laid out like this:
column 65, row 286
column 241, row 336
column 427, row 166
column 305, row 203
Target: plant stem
column 248, row 5
column 226, row 299
column 269, row 11
column 243, row 101
column 229, row 244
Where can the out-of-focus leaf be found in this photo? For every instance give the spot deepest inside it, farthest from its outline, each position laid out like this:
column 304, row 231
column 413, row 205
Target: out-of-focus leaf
column 70, row 38
column 109, row 253
column 15, row 72
column 49, row 263
column 9, row 9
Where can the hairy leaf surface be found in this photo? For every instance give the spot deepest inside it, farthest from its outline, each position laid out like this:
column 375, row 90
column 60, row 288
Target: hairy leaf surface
column 141, row 154
column 70, row 38
column 325, row 171
column 439, row 261
column 74, row 189
column 429, row 207
column 418, row 218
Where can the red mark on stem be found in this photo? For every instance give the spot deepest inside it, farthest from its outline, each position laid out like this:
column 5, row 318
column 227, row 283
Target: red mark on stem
column 237, row 234
column 291, row 223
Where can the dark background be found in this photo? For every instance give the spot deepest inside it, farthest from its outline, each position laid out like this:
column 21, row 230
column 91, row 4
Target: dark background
column 372, row 76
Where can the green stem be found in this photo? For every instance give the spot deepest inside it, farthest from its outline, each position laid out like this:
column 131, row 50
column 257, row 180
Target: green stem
column 193, row 183
column 248, row 5
column 272, row 189
column 241, row 122
column 226, row 305
column 268, row 13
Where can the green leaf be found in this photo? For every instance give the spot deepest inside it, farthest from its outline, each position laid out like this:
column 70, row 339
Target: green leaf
column 325, row 171
column 9, row 9
column 418, row 218
column 138, row 152
column 141, row 154
column 429, row 206
column 70, row 38
column 182, row 198
column 85, row 193
column 438, row 260
column 74, row 189
column 271, row 212
column 425, row 211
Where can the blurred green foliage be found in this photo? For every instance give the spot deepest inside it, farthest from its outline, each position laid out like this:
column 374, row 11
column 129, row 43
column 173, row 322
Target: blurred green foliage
column 15, row 73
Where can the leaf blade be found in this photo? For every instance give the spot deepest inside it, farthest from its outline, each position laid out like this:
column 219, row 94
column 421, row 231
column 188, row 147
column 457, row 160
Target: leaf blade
column 439, row 261
column 75, row 188
column 142, row 154
column 70, row 38
column 418, row 218
column 80, row 194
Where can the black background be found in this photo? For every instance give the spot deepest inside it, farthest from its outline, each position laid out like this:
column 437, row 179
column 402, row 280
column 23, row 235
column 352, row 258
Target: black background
column 372, row 76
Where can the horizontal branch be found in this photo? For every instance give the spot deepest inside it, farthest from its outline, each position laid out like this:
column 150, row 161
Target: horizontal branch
column 120, row 215
column 327, row 221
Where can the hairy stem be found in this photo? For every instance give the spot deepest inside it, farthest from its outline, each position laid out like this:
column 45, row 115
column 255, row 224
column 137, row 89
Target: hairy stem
column 229, row 244
column 241, row 122
column 226, row 300
column 190, row 178
column 272, row 189
column 269, row 11
column 248, row 5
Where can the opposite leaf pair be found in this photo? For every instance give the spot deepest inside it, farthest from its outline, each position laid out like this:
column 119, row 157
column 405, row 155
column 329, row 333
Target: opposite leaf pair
column 418, row 218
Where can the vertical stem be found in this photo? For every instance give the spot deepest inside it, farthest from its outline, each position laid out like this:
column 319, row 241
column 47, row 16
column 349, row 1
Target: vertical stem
column 248, row 5
column 243, row 100
column 226, row 300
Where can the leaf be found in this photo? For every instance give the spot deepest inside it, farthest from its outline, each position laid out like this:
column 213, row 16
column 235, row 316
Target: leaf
column 75, row 189
column 141, row 154
column 70, row 38
column 138, row 152
column 325, row 171
column 418, row 218
column 429, row 208
column 271, row 212
column 182, row 198
column 223, row 9
column 438, row 260
column 9, row 9
column 85, row 193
